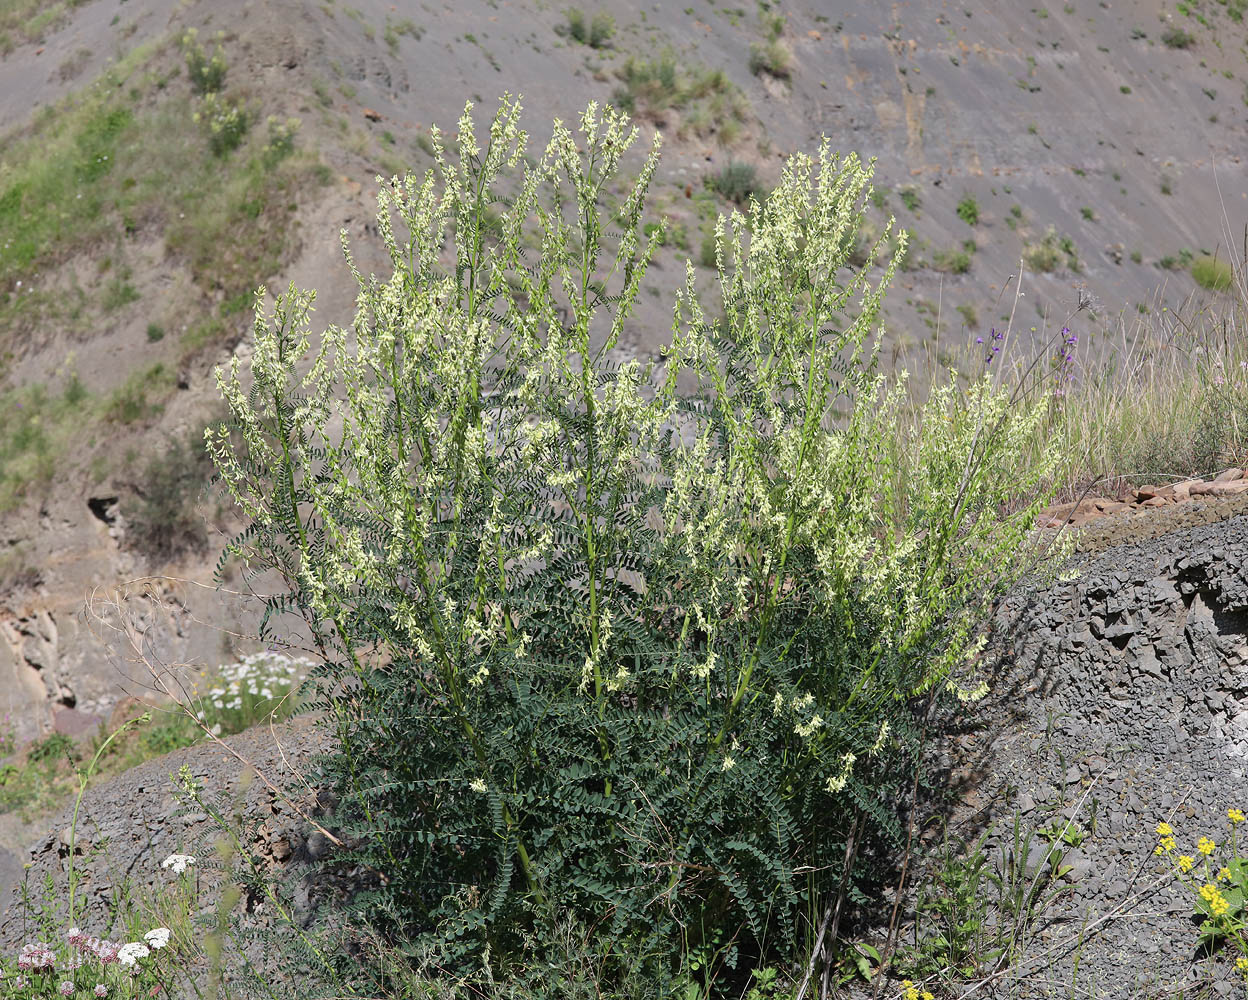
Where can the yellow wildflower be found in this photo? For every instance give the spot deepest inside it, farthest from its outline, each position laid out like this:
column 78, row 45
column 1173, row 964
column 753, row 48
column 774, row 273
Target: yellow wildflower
column 1235, row 815
column 1219, row 906
column 1185, row 862
column 1168, row 843
column 1241, row 966
column 1205, row 846
column 1223, row 874
column 1164, row 830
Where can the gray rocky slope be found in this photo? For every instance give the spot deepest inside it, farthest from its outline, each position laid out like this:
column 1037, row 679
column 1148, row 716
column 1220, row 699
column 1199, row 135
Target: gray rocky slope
column 1120, row 700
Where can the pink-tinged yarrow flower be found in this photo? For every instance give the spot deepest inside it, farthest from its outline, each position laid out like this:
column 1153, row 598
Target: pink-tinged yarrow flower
column 67, row 989
column 101, row 990
column 36, row 958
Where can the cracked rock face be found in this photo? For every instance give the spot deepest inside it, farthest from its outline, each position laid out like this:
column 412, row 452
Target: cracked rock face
column 1121, row 700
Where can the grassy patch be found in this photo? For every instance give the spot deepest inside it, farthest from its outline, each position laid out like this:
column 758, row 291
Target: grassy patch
column 951, row 261
column 1051, row 253
column 594, row 30
column 1177, row 38
column 30, row 20
column 126, row 154
column 737, row 182
column 968, row 210
column 708, row 102
column 1212, row 273
column 37, row 425
column 771, row 56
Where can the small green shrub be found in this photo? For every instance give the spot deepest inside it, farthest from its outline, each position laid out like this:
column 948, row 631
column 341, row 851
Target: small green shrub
column 281, row 139
column 772, row 58
column 206, row 73
column 595, row 32
column 225, row 121
column 710, row 101
column 1087, row 213
column 738, row 182
column 53, row 747
column 1212, row 273
column 119, row 293
column 668, row 706
column 970, row 316
column 968, row 210
column 165, row 521
column 1051, row 253
column 951, row 261
column 155, row 332
column 1177, row 38
column 911, row 198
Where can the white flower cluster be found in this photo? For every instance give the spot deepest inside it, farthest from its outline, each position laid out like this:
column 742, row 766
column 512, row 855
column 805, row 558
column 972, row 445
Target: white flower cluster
column 266, row 674
column 178, row 862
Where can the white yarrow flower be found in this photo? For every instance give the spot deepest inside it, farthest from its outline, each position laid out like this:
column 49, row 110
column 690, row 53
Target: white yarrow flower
column 177, row 862
column 130, row 953
column 157, row 937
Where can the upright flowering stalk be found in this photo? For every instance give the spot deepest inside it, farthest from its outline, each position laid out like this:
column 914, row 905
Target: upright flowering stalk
column 1064, row 362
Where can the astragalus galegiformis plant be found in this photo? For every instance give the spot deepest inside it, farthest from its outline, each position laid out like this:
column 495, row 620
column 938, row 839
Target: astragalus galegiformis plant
column 631, row 645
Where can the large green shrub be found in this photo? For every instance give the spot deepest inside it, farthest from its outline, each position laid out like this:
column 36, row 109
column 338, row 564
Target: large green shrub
column 602, row 652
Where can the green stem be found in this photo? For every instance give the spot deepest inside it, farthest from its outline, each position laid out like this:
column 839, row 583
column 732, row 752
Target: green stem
column 83, row 778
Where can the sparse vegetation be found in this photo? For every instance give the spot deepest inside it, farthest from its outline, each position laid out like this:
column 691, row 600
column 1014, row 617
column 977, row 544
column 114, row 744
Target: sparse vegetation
column 771, row 56
column 594, row 31
column 37, row 429
column 165, row 520
column 141, row 397
column 1051, row 253
column 710, row 103
column 94, row 163
column 911, row 198
column 968, row 210
column 737, row 182
column 951, row 261
column 1176, row 38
